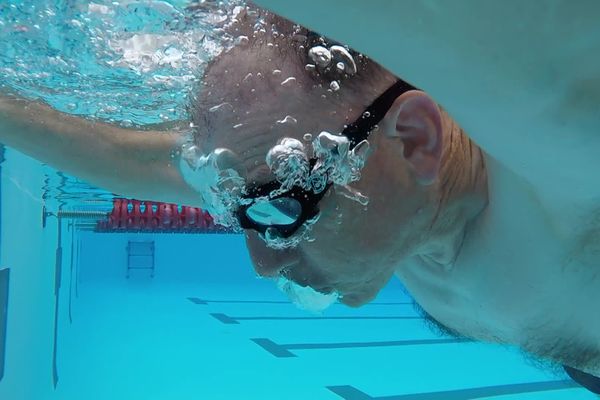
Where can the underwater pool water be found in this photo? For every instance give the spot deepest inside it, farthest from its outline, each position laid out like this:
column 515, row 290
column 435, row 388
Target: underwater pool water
column 191, row 321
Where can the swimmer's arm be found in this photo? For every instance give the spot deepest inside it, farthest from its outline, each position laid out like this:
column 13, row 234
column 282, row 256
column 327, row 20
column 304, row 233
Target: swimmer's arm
column 465, row 51
column 521, row 77
column 128, row 162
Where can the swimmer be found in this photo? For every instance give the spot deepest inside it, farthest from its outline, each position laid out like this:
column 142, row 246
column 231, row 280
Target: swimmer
column 497, row 242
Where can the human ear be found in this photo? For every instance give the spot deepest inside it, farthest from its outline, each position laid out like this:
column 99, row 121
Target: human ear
column 415, row 119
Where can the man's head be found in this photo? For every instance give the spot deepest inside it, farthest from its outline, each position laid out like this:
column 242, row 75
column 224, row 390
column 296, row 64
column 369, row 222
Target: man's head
column 424, row 179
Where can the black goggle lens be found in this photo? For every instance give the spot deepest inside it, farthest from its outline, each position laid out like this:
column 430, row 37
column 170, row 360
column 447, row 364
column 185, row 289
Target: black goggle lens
column 283, row 211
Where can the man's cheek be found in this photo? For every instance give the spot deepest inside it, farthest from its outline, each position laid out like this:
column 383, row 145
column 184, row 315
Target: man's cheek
column 268, row 262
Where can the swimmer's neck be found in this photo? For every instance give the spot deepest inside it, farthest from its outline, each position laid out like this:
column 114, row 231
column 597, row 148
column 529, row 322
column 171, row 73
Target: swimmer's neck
column 445, row 250
column 451, row 229
column 518, row 242
column 509, row 202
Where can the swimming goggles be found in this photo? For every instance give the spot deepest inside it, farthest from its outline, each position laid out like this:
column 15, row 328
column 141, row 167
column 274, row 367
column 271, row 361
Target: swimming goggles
column 286, row 212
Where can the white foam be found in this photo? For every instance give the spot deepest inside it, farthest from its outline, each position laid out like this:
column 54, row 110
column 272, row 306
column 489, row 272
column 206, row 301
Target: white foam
column 306, row 298
column 219, row 188
column 336, row 164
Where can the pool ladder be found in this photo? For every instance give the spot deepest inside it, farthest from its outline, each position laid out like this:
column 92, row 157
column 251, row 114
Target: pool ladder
column 140, row 256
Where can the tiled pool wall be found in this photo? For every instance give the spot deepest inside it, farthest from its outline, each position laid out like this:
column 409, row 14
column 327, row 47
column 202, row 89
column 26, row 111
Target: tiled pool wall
column 28, row 252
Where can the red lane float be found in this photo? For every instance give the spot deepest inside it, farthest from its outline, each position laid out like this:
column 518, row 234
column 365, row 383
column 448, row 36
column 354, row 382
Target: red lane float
column 149, row 216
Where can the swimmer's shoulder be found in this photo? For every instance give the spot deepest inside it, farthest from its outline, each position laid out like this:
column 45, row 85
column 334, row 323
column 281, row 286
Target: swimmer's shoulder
column 523, row 81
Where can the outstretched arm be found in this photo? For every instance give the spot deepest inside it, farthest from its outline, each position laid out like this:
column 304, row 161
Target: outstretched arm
column 128, row 162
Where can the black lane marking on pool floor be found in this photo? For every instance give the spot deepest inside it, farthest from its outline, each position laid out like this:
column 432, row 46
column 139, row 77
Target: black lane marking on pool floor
column 4, row 284
column 227, row 319
column 283, row 350
column 351, row 393
column 197, row 300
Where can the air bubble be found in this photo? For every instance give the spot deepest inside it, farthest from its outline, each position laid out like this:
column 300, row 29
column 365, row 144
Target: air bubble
column 340, row 54
column 288, row 161
column 307, row 137
column 310, row 67
column 241, row 41
column 288, row 120
column 289, row 81
column 352, row 194
column 335, row 86
column 320, row 56
column 218, row 178
column 218, row 107
column 336, row 163
column 340, row 67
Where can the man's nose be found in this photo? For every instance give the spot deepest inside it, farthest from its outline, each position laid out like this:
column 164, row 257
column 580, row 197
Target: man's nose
column 268, row 262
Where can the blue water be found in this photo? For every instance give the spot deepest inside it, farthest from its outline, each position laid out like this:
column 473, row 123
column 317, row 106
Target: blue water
column 79, row 56
column 204, row 327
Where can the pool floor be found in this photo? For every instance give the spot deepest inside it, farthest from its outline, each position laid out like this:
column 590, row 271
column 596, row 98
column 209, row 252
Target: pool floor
column 155, row 341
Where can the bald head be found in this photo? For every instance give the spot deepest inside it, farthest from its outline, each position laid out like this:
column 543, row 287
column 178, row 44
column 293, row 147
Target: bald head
column 260, row 90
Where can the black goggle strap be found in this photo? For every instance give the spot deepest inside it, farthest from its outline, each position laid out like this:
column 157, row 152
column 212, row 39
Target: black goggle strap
column 359, row 130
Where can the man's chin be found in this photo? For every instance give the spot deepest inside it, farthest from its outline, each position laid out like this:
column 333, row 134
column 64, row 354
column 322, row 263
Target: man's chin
column 354, row 300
